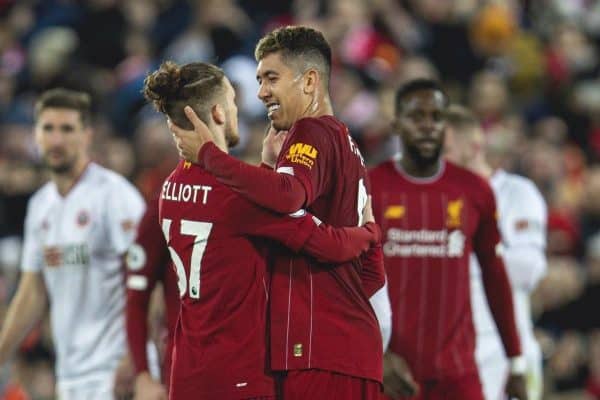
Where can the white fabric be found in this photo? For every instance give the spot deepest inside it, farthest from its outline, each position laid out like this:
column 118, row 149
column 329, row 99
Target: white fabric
column 91, row 390
column 90, row 228
column 380, row 301
column 522, row 223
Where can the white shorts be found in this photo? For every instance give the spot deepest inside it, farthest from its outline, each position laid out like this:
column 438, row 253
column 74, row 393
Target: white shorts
column 91, row 390
column 493, row 369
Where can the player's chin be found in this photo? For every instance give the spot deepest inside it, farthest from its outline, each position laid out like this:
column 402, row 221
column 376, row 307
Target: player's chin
column 279, row 124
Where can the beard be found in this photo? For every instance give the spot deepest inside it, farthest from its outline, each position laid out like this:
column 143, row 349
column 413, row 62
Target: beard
column 61, row 168
column 423, row 160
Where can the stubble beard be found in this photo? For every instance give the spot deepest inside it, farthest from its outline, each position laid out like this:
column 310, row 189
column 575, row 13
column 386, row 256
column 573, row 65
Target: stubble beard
column 421, row 160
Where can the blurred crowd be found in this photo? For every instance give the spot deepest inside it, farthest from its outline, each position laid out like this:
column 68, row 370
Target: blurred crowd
column 530, row 69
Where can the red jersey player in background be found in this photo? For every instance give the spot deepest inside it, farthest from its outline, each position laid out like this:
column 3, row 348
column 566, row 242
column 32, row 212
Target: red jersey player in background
column 220, row 338
column 148, row 262
column 324, row 332
column 433, row 214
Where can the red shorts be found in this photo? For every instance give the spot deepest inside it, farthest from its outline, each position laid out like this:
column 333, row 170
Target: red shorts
column 318, row 384
column 463, row 388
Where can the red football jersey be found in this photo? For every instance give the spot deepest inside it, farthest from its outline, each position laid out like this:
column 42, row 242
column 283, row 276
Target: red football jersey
column 220, row 340
column 148, row 262
column 320, row 315
column 430, row 226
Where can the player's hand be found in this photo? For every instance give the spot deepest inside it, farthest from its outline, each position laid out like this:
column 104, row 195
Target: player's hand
column 146, row 388
column 124, row 378
column 516, row 388
column 272, row 145
column 189, row 142
column 397, row 378
column 368, row 212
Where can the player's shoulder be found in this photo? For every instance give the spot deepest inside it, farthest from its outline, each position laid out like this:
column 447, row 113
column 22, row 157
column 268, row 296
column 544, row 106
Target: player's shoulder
column 521, row 189
column 98, row 174
column 109, row 182
column 476, row 186
column 42, row 196
column 323, row 128
column 324, row 121
column 516, row 183
column 464, row 175
column 381, row 168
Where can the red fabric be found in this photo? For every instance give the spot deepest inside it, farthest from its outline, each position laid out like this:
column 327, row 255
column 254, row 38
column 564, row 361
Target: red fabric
column 592, row 387
column 14, row 391
column 258, row 184
column 317, row 384
column 430, row 227
column 321, row 316
column 220, row 345
column 464, row 388
column 155, row 266
column 342, row 244
column 372, row 270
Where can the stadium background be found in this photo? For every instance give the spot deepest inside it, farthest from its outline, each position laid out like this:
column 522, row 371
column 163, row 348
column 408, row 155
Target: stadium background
column 529, row 69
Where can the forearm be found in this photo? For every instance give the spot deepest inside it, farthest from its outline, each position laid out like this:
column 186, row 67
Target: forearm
column 282, row 193
column 26, row 309
column 499, row 297
column 338, row 245
column 525, row 265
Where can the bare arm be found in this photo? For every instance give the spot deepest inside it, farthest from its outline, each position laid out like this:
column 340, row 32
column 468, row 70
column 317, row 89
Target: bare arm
column 25, row 310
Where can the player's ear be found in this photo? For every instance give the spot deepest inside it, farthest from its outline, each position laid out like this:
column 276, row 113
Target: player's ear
column 311, row 81
column 218, row 114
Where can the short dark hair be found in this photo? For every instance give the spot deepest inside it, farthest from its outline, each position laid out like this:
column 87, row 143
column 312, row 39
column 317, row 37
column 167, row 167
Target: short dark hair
column 297, row 44
column 417, row 85
column 65, row 98
column 172, row 87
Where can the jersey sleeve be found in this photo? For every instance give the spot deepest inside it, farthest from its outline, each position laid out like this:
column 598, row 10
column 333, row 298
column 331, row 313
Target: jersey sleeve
column 487, row 248
column 337, row 245
column 267, row 188
column 301, row 230
column 146, row 259
column 524, row 236
column 306, row 154
column 525, row 222
column 373, row 271
column 32, row 254
column 124, row 210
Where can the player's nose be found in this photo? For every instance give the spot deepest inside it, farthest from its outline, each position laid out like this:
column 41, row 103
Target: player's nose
column 263, row 93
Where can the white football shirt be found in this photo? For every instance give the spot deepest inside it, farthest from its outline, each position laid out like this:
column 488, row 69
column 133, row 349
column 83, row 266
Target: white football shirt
column 77, row 243
column 522, row 218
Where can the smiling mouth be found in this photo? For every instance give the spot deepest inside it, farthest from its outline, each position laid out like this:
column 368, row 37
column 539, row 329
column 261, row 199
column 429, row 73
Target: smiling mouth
column 271, row 108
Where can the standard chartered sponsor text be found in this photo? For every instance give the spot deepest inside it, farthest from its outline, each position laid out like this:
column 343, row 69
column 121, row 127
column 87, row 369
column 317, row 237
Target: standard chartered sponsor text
column 422, row 235
column 424, row 243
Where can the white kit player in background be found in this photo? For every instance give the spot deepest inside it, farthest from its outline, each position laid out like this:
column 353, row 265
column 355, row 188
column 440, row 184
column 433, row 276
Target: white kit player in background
column 522, row 218
column 77, row 228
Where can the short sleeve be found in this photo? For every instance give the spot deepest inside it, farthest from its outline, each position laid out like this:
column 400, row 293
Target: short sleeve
column 32, row 256
column 124, row 209
column 525, row 221
column 148, row 254
column 306, row 155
